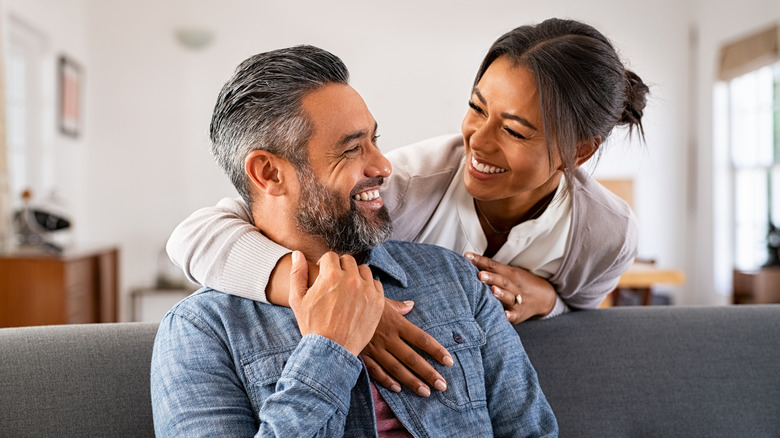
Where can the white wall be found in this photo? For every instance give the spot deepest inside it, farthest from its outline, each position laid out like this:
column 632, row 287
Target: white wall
column 143, row 164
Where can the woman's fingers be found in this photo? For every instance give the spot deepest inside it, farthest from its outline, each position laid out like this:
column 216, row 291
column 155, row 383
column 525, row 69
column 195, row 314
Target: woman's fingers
column 488, row 264
column 379, row 374
column 393, row 357
column 523, row 294
column 507, row 299
column 425, row 342
column 391, row 368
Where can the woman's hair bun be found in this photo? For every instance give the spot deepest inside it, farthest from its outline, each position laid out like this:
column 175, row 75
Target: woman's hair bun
column 636, row 99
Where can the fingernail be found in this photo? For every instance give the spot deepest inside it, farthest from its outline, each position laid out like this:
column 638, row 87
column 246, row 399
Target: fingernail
column 483, row 276
column 469, row 256
column 409, row 303
column 447, row 360
column 424, row 391
column 440, row 385
column 395, row 387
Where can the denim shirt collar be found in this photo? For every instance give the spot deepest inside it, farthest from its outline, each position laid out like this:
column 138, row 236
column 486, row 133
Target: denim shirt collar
column 379, row 259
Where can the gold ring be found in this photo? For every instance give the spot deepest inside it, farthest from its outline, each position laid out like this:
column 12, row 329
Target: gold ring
column 519, row 299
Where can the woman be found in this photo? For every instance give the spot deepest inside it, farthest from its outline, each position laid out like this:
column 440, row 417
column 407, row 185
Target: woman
column 508, row 193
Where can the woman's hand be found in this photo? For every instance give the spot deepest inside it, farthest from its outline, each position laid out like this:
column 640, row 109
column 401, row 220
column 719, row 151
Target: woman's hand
column 523, row 294
column 388, row 355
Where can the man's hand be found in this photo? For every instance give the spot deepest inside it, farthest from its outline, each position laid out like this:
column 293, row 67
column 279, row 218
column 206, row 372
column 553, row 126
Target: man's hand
column 344, row 303
column 523, row 294
column 389, row 355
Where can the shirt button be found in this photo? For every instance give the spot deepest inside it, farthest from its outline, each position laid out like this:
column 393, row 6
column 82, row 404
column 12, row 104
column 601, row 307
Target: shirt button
column 458, row 338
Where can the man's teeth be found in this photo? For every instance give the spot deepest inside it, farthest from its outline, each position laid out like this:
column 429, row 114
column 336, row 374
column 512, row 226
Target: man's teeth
column 484, row 168
column 366, row 196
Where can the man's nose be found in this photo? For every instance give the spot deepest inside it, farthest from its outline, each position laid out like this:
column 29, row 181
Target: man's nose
column 378, row 165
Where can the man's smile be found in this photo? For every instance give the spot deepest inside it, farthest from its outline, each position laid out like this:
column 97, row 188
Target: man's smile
column 368, row 195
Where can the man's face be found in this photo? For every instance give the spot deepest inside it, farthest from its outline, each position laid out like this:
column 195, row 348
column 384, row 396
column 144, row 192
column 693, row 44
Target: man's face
column 339, row 200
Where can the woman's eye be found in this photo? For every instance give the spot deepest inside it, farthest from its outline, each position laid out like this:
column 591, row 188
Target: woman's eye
column 515, row 134
column 474, row 106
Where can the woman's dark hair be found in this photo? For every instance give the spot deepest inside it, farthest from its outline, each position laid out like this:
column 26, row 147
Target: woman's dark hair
column 584, row 89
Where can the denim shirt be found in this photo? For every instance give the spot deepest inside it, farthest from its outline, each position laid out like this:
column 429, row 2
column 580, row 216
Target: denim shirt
column 228, row 366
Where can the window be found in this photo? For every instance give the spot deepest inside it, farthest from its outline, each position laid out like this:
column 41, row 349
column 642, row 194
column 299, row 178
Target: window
column 24, row 90
column 754, row 158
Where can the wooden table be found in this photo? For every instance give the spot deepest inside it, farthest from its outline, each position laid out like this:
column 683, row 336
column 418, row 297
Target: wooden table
column 641, row 277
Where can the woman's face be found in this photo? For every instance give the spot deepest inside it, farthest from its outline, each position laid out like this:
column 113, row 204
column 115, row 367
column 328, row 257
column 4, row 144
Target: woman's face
column 506, row 153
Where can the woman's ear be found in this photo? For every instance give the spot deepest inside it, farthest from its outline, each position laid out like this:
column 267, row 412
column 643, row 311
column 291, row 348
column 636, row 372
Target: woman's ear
column 586, row 149
column 266, row 172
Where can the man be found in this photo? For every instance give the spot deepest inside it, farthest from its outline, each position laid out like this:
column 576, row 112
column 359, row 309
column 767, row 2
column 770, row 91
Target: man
column 299, row 144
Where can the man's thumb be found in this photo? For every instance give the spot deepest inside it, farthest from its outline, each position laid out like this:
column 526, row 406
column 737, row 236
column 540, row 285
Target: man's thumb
column 299, row 275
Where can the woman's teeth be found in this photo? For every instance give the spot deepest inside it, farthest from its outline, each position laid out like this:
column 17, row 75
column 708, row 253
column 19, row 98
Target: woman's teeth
column 484, row 168
column 367, row 196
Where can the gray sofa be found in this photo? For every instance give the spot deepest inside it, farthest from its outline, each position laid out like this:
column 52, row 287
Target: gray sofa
column 620, row 372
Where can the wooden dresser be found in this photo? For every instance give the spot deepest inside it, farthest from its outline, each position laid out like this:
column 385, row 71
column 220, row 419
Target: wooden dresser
column 75, row 287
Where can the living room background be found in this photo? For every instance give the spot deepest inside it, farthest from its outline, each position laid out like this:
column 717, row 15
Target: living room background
column 140, row 161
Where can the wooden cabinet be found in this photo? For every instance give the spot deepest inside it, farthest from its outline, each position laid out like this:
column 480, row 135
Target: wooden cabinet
column 74, row 288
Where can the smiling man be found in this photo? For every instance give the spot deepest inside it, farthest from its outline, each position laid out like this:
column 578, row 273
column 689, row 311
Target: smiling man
column 299, row 145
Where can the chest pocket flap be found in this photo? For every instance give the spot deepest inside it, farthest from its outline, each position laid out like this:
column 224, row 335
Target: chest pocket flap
column 457, row 335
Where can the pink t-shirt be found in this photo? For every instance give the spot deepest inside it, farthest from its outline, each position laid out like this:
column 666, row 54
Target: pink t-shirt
column 387, row 423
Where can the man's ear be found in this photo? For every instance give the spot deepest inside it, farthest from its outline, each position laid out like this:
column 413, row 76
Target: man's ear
column 586, row 149
column 267, row 172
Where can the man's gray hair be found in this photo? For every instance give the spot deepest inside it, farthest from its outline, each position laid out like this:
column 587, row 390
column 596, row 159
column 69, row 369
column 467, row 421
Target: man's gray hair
column 260, row 108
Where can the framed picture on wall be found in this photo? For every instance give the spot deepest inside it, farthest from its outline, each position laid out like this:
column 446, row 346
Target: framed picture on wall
column 70, row 84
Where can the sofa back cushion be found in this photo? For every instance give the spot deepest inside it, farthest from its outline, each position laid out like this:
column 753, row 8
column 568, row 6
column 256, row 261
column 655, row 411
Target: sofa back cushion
column 661, row 371
column 76, row 380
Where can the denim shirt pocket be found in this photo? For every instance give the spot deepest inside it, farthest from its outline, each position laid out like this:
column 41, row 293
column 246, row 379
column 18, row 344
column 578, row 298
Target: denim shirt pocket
column 263, row 371
column 465, row 378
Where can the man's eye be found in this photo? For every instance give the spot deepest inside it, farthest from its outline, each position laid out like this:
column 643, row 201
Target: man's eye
column 374, row 139
column 352, row 151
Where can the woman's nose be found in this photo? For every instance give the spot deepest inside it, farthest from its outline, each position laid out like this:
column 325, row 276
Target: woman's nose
column 481, row 137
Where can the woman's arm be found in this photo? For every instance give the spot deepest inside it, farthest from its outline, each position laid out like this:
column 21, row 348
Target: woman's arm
column 220, row 248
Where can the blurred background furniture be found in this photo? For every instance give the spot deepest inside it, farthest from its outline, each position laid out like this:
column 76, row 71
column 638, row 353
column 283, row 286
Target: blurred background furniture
column 644, row 274
column 758, row 286
column 70, row 288
column 640, row 279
